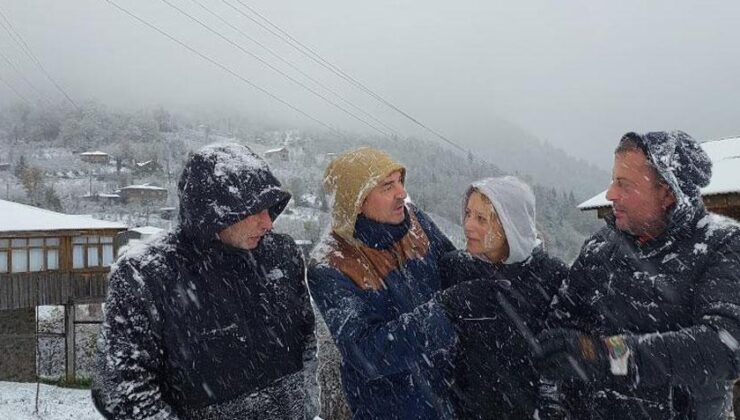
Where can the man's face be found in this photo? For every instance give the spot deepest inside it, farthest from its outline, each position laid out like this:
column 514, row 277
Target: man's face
column 640, row 201
column 384, row 204
column 247, row 233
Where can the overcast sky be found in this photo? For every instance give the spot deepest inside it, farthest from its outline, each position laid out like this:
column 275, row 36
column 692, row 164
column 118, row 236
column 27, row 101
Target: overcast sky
column 575, row 73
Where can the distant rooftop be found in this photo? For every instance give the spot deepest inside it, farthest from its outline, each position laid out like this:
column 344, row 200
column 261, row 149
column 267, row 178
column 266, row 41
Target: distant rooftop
column 147, row 230
column 143, row 187
column 20, row 218
column 725, row 155
column 95, row 153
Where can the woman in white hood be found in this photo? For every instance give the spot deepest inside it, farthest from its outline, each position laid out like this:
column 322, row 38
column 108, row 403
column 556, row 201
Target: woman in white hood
column 510, row 282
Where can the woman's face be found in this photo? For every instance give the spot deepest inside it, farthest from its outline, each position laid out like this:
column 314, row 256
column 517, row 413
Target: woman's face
column 483, row 229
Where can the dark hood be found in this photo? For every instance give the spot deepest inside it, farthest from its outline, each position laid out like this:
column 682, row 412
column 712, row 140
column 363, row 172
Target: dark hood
column 682, row 164
column 222, row 184
column 686, row 168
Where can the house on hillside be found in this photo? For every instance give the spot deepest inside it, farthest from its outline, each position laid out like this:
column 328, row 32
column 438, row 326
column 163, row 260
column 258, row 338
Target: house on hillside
column 136, row 234
column 150, row 167
column 48, row 258
column 721, row 196
column 142, row 194
column 278, row 155
column 95, row 157
column 4, row 166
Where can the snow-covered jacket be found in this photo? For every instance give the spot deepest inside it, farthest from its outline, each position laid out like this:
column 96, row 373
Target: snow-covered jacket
column 195, row 328
column 676, row 299
column 494, row 372
column 493, row 369
column 396, row 340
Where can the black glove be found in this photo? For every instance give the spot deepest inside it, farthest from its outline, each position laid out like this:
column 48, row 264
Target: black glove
column 567, row 354
column 472, row 299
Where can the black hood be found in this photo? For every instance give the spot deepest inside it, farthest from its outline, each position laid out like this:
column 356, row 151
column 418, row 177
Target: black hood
column 686, row 168
column 679, row 159
column 222, row 184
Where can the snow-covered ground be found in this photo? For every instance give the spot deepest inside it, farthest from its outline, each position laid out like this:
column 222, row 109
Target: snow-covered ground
column 18, row 400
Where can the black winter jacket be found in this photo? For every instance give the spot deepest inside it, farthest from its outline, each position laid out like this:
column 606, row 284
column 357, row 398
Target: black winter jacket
column 494, row 371
column 677, row 301
column 195, row 328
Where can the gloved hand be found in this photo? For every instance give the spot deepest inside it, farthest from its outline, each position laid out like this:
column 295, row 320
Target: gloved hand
column 472, row 299
column 568, row 354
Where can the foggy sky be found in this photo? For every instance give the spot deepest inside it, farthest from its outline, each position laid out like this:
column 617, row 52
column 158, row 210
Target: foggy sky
column 575, row 73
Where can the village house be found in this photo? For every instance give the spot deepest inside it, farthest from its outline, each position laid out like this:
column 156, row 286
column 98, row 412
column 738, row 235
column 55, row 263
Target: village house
column 95, row 157
column 68, row 256
column 47, row 258
column 278, row 155
column 150, row 167
column 139, row 234
column 142, row 194
column 721, row 196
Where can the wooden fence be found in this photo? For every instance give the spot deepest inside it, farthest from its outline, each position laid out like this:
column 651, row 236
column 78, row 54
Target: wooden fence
column 26, row 290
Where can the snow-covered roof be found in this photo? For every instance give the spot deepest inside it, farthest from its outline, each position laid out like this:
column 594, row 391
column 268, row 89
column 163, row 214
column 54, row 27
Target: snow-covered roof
column 147, row 230
column 143, row 187
column 22, row 218
column 279, row 149
column 140, row 164
column 95, row 153
column 725, row 155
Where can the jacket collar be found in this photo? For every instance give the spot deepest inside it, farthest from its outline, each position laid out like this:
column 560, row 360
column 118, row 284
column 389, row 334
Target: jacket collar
column 380, row 235
column 682, row 222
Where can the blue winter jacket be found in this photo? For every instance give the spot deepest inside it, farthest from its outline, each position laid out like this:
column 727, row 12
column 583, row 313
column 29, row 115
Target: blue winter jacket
column 395, row 340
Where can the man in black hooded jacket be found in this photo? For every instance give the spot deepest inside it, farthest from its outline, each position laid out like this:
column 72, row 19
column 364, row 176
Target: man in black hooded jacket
column 212, row 320
column 649, row 323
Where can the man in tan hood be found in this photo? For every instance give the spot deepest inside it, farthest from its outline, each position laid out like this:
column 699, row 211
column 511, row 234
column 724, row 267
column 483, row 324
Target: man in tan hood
column 374, row 278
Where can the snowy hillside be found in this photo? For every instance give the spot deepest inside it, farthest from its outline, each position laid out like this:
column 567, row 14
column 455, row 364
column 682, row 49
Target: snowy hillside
column 46, row 170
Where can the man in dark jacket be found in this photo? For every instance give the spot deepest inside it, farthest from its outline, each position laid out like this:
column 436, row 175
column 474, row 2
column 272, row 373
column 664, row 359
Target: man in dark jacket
column 212, row 320
column 649, row 323
column 374, row 278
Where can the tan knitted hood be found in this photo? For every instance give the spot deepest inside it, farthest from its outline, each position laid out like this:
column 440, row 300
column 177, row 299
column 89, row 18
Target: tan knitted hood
column 349, row 179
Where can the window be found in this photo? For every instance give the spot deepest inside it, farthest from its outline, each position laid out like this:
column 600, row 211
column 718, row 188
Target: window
column 4, row 246
column 21, row 255
column 92, row 251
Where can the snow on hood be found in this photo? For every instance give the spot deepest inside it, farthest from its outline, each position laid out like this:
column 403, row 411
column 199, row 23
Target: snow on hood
column 514, row 203
column 221, row 184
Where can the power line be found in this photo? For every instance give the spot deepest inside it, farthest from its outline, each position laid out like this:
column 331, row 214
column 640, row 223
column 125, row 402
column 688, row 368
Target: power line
column 277, row 70
column 23, row 98
column 286, row 37
column 23, row 77
column 294, row 67
column 35, row 59
column 226, row 69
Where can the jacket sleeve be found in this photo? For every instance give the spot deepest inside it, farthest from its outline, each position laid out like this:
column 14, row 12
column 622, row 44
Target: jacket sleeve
column 126, row 379
column 707, row 351
column 369, row 342
column 568, row 309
